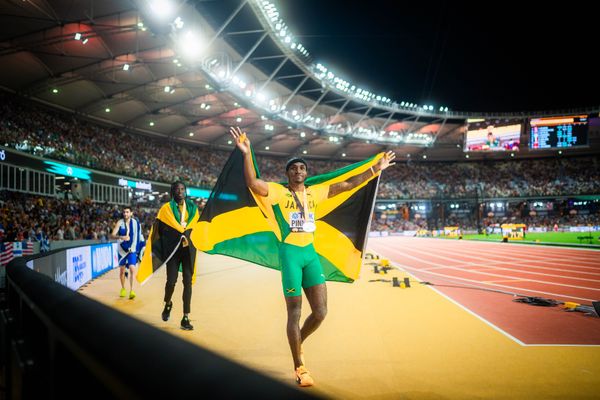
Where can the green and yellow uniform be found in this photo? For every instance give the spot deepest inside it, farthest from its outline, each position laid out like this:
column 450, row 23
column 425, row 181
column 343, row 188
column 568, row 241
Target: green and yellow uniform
column 300, row 264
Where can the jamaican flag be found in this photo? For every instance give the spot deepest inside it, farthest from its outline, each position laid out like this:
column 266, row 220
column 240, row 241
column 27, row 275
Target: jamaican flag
column 166, row 235
column 238, row 223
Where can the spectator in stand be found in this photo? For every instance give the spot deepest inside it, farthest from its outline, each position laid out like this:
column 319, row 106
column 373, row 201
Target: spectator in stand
column 31, row 128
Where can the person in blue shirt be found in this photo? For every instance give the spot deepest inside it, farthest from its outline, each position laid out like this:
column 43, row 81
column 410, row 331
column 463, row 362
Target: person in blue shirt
column 131, row 242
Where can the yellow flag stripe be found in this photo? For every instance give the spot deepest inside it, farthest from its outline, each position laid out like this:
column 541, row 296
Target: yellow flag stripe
column 338, row 249
column 145, row 270
column 229, row 225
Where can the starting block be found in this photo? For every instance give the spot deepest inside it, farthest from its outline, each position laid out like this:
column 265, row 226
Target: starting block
column 382, row 267
column 404, row 284
column 371, row 256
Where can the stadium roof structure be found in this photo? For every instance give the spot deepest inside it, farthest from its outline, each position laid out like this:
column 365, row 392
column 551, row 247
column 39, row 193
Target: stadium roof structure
column 170, row 68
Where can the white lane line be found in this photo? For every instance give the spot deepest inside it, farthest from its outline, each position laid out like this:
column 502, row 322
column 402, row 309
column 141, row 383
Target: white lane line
column 493, row 284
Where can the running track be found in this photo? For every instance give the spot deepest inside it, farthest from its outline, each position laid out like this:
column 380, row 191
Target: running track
column 458, row 268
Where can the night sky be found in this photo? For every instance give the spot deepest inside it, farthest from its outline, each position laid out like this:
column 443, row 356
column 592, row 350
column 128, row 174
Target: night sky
column 517, row 57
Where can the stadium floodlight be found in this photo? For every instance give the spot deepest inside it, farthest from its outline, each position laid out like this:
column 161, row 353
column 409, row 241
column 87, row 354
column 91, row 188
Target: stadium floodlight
column 125, row 67
column 78, row 36
column 178, row 23
column 192, row 45
column 163, row 9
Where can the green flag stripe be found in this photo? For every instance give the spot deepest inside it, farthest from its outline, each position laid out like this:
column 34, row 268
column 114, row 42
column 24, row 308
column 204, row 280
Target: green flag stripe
column 315, row 180
column 263, row 248
column 284, row 228
column 331, row 272
column 190, row 206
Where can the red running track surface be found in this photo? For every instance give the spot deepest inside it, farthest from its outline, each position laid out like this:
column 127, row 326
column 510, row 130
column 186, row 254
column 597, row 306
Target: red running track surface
column 461, row 269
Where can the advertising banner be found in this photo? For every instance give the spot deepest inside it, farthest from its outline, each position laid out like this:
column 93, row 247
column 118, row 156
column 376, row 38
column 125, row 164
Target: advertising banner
column 102, row 259
column 79, row 267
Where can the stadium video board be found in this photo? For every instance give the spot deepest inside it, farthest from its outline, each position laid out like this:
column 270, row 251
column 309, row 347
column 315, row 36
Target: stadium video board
column 558, row 132
column 493, row 135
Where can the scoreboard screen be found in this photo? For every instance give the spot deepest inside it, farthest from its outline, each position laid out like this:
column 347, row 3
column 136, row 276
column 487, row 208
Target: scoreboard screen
column 558, row 132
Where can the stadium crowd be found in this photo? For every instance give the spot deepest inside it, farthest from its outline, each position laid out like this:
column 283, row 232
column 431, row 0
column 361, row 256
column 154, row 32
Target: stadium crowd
column 33, row 129
column 26, row 217
column 494, row 179
column 34, row 218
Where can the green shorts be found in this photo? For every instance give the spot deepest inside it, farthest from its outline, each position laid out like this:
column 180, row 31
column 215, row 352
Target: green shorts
column 300, row 268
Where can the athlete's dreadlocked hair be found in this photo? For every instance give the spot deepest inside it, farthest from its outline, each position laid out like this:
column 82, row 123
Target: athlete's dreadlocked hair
column 174, row 185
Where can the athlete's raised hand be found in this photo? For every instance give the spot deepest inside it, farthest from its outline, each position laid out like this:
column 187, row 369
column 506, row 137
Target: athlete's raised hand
column 241, row 139
column 387, row 160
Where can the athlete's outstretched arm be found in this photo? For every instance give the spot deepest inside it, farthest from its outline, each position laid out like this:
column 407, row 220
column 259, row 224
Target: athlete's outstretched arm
column 258, row 186
column 384, row 162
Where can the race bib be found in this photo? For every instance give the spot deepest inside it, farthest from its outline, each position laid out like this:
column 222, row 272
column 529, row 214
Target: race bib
column 297, row 222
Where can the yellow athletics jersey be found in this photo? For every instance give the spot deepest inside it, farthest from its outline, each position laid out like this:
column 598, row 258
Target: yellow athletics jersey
column 281, row 197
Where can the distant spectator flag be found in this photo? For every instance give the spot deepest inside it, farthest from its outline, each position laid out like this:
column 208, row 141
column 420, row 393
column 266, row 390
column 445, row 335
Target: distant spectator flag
column 10, row 250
